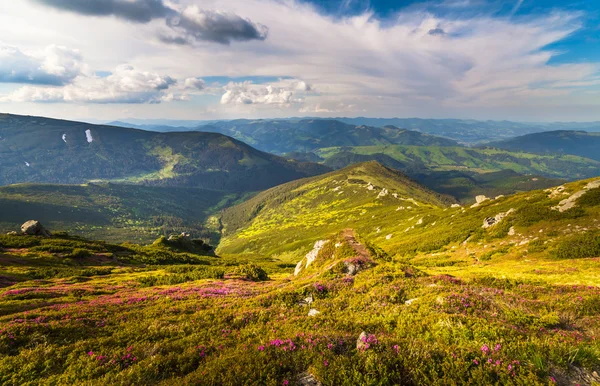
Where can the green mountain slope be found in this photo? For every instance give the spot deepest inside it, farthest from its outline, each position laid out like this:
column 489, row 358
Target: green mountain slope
column 578, row 143
column 285, row 136
column 114, row 212
column 294, row 215
column 434, row 297
column 410, row 223
column 472, row 159
column 34, row 149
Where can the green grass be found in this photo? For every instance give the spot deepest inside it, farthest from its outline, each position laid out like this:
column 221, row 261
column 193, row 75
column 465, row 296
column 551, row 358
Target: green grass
column 116, row 322
column 441, row 299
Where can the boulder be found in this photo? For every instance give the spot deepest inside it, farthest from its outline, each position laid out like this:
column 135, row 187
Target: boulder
column 313, row 312
column 34, row 228
column 307, row 301
column 490, row 221
column 12, row 233
column 480, row 199
column 361, row 342
column 351, row 268
column 307, row 379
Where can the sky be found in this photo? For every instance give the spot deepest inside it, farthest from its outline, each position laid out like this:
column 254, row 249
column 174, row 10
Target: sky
column 521, row 60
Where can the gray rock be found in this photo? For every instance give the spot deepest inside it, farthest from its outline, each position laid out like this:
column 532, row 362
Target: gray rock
column 490, row 221
column 350, row 268
column 34, row 228
column 361, row 343
column 307, row 379
column 307, row 301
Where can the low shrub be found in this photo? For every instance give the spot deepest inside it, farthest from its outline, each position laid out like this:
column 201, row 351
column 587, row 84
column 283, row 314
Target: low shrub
column 252, row 272
column 580, row 246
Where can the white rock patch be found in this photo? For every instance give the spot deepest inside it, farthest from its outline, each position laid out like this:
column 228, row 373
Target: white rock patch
column 313, row 312
column 479, row 200
column 571, row 201
column 310, row 256
column 298, row 267
column 490, row 221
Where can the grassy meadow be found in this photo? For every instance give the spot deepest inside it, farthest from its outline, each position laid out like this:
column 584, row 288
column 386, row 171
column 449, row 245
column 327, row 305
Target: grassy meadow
column 447, row 302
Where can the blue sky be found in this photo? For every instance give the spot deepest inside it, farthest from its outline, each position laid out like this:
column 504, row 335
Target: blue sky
column 582, row 45
column 527, row 60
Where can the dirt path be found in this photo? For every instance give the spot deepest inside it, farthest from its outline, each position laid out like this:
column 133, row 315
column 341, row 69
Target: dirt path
column 350, row 237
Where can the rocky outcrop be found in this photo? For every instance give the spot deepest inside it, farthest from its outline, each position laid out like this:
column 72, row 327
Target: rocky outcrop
column 35, row 228
column 310, row 256
column 571, row 201
column 491, row 221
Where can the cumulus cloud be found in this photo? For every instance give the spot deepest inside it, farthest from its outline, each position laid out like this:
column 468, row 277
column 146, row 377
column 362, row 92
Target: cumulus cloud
column 125, row 85
column 194, row 84
column 284, row 93
column 138, row 11
column 54, row 65
column 484, row 66
column 194, row 24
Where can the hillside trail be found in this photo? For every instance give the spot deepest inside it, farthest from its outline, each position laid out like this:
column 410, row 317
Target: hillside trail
column 350, row 237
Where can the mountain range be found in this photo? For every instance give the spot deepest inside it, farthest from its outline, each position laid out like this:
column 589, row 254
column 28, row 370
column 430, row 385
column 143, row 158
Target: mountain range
column 466, row 131
column 560, row 142
column 34, row 149
column 212, row 262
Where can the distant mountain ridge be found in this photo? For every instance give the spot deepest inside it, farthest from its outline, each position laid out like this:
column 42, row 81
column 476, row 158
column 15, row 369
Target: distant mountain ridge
column 578, row 143
column 35, row 149
column 468, row 131
column 285, row 136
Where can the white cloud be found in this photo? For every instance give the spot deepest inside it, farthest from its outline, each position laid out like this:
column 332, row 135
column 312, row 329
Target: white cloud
column 285, row 92
column 194, row 84
column 125, row 85
column 55, row 65
column 481, row 66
